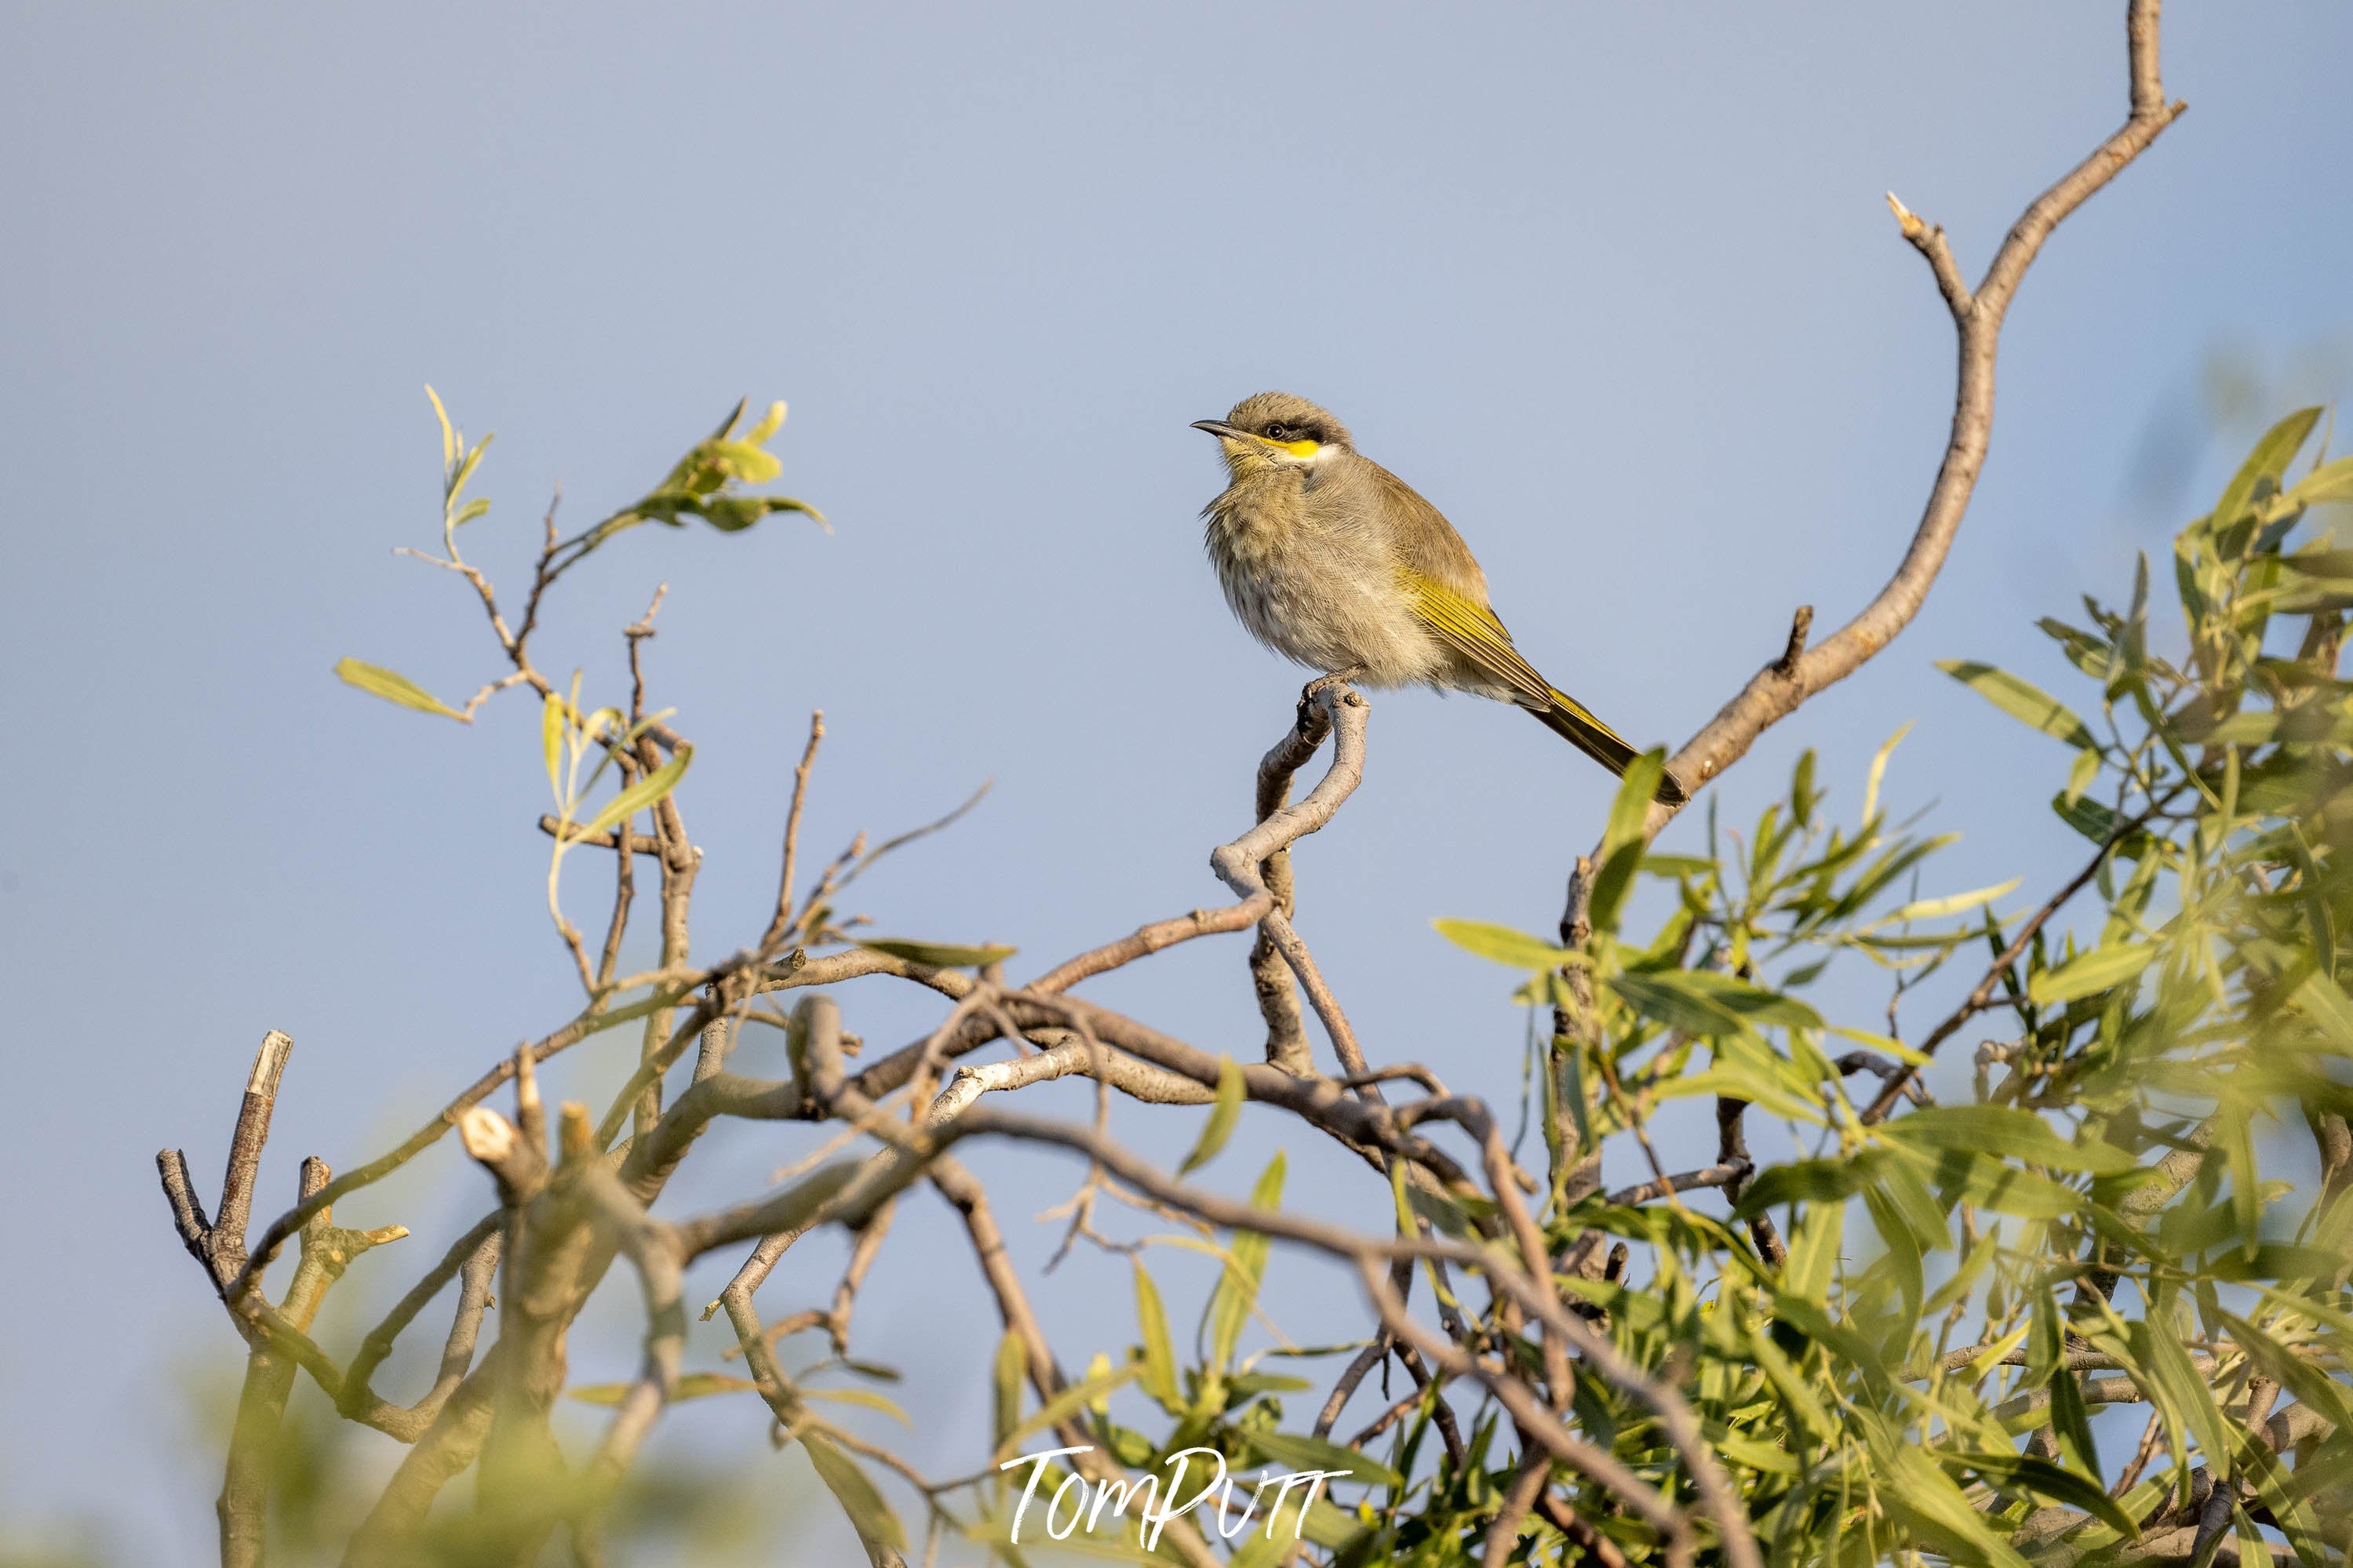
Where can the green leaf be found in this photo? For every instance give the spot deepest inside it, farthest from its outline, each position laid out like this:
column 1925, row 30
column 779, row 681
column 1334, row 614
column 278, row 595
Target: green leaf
column 2322, row 1002
column 2268, row 460
column 646, row 792
column 1973, row 1176
column 869, row 1514
column 1814, row 1181
column 466, row 467
column 1513, row 949
column 1623, row 841
column 1951, row 903
column 1012, row 1365
column 2022, row 700
column 770, row 423
column 864, row 1398
column 1300, row 1453
column 2300, row 1377
column 1444, row 1214
column 449, row 434
column 1237, row 1290
column 2007, row 1131
column 2084, row 974
column 2023, row 1472
column 2330, row 482
column 1066, row 1404
column 1159, row 1377
column 939, row 954
column 1796, row 1395
column 2158, row 1349
column 378, row 681
column 751, row 465
column 733, row 514
column 1700, row 1002
column 2082, row 774
column 550, row 739
column 1803, row 796
column 1223, row 1113
column 1878, row 772
column 692, row 1385
column 1814, row 1251
column 1919, row 1493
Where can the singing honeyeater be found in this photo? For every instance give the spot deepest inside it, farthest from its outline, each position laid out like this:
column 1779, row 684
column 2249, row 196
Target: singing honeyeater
column 1330, row 559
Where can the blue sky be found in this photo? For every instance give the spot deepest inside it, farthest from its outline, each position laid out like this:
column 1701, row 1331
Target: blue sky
column 1614, row 286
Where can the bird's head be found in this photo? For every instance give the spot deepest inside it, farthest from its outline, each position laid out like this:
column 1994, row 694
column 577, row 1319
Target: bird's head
column 1276, row 430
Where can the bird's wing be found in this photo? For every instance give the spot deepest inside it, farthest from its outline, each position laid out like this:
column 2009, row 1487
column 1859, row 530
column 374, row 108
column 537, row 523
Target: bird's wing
column 1471, row 630
column 1449, row 593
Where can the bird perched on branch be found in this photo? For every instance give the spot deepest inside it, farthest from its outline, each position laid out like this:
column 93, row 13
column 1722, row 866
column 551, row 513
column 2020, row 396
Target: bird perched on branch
column 1330, row 559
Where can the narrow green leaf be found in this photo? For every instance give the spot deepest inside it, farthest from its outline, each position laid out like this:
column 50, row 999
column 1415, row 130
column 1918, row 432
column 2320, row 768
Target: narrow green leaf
column 1808, row 1180
column 1701, row 1002
column 2272, row 452
column 1515, row 950
column 1878, row 772
column 692, row 1385
column 2007, row 1131
column 2332, row 481
column 1444, row 1214
column 1297, row 1452
column 1623, row 841
column 864, row 1398
column 1796, row 1395
column 646, row 792
column 1236, row 1289
column 770, row 423
column 1072, row 1399
column 1223, row 1113
column 466, row 467
column 2082, row 774
column 378, row 681
column 448, row 435
column 939, row 954
column 1159, row 1377
column 1803, row 796
column 1918, row 1491
column 1951, row 903
column 2322, row 1002
column 2020, row 1471
column 869, row 1514
column 2158, row 1349
column 1012, row 1365
column 1814, row 1252
column 550, row 741
column 2086, row 974
column 2021, row 700
column 2300, row 1377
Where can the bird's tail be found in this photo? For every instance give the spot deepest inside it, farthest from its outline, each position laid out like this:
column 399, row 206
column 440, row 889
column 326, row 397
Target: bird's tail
column 1570, row 718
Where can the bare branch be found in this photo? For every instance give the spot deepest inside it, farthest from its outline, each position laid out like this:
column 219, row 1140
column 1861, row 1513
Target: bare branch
column 1779, row 688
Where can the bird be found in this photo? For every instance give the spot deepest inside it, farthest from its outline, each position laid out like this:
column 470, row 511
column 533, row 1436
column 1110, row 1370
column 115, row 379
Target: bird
column 1331, row 560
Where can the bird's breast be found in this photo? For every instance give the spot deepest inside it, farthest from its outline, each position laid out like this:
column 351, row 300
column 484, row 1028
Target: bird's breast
column 1313, row 585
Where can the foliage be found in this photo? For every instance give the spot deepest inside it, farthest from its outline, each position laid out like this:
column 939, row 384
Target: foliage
column 1953, row 1273
column 1921, row 1329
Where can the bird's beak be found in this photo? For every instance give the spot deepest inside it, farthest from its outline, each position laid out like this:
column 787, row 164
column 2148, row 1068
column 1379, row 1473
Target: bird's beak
column 1217, row 427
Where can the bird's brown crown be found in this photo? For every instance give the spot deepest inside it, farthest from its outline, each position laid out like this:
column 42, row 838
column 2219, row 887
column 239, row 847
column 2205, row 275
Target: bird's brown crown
column 1285, row 417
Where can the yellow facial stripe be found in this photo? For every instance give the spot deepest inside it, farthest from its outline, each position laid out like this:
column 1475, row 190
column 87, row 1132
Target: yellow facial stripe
column 1299, row 449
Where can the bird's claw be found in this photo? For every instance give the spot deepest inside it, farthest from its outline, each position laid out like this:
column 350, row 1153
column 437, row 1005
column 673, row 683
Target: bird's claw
column 1309, row 693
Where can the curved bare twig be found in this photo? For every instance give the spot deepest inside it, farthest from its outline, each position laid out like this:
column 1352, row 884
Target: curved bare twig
column 1777, row 690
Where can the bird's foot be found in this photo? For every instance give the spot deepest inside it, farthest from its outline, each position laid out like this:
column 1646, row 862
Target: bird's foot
column 1309, row 693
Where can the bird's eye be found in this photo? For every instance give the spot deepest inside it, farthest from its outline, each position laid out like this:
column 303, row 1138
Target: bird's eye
column 1278, row 432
